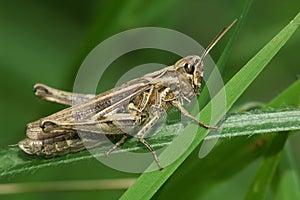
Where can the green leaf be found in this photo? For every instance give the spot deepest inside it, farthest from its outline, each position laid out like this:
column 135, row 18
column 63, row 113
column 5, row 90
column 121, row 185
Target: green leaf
column 231, row 162
column 13, row 160
column 287, row 182
column 204, row 98
column 148, row 183
column 262, row 182
column 264, row 176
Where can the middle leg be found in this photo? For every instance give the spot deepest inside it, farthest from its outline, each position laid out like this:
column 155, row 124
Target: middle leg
column 140, row 135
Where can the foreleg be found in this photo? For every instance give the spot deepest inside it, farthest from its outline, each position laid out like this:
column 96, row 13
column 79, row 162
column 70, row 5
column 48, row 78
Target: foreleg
column 178, row 105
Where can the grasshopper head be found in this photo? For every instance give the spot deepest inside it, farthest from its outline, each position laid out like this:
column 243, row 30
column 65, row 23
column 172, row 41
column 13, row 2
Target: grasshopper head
column 191, row 67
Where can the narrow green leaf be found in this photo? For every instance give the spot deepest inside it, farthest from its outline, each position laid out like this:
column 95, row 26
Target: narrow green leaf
column 233, row 155
column 264, row 176
column 287, row 184
column 148, row 183
column 189, row 170
column 204, row 97
column 13, row 160
column 63, row 186
column 262, row 182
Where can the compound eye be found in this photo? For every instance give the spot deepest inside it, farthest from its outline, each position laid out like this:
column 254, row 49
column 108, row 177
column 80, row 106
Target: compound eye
column 189, row 68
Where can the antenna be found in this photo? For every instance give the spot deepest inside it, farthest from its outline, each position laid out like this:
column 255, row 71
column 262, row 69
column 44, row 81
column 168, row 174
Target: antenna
column 216, row 39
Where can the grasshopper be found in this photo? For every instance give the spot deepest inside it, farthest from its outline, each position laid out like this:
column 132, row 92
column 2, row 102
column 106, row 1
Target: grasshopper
column 138, row 103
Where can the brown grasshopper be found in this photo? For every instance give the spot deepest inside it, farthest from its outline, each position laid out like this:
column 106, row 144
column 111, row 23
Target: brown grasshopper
column 117, row 112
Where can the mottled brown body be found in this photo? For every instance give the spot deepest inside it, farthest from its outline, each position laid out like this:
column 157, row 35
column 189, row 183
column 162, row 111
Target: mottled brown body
column 117, row 112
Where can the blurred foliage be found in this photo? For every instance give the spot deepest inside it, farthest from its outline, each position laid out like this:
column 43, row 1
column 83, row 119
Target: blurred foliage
column 46, row 41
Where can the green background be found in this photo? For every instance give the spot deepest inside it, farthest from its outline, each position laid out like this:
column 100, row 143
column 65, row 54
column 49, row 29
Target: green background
column 46, row 41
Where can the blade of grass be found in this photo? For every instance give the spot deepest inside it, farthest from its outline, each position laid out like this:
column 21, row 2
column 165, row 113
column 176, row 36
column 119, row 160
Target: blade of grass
column 148, row 183
column 13, row 160
column 263, row 179
column 287, row 184
column 204, row 97
column 264, row 176
column 60, row 186
column 229, row 155
column 227, row 50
